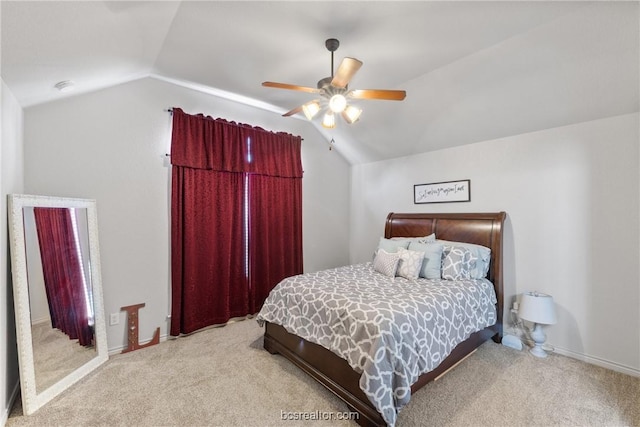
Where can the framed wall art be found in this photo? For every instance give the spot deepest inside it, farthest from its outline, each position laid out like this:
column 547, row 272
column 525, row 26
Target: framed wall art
column 442, row 192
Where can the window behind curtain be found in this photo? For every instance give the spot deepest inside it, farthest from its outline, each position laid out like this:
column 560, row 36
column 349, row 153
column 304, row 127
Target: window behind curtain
column 236, row 218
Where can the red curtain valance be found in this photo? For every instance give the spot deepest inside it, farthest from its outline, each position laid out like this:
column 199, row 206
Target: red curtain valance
column 202, row 142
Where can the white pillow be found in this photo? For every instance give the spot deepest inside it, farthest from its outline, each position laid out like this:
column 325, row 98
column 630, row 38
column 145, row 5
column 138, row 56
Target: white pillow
column 386, row 263
column 410, row 263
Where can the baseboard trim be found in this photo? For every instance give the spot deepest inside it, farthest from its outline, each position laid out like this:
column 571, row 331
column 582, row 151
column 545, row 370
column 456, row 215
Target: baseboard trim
column 599, row 362
column 12, row 401
column 165, row 337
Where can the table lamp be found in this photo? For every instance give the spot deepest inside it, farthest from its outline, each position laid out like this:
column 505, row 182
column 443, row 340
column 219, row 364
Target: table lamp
column 539, row 309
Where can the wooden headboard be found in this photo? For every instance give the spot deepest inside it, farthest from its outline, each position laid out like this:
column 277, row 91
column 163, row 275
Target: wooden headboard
column 480, row 228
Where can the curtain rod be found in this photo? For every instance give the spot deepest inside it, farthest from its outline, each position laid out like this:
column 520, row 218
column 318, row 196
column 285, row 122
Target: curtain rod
column 170, row 111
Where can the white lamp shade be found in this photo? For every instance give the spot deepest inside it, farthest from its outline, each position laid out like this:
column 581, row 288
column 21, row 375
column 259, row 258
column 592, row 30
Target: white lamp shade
column 537, row 308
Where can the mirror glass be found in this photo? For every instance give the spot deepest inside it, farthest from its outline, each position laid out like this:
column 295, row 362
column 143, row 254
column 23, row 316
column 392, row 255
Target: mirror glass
column 58, row 294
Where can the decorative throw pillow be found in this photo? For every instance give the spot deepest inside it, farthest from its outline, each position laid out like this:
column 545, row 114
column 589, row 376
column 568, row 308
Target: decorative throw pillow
column 482, row 256
column 432, row 262
column 456, row 263
column 386, row 263
column 410, row 263
column 431, row 238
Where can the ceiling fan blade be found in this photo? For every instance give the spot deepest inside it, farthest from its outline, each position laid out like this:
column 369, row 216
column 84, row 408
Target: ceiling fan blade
column 290, row 87
column 292, row 112
column 389, row 95
column 346, row 70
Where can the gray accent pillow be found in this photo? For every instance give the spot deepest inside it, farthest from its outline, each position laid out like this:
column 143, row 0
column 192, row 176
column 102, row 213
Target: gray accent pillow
column 432, row 263
column 482, row 256
column 457, row 263
column 386, row 263
column 431, row 238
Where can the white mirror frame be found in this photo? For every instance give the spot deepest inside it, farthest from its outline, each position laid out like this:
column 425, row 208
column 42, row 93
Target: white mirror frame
column 31, row 399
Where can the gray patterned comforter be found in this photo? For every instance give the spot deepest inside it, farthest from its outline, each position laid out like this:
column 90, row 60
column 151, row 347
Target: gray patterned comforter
column 390, row 329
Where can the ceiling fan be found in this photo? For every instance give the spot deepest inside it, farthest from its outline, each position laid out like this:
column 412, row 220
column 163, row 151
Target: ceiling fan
column 335, row 93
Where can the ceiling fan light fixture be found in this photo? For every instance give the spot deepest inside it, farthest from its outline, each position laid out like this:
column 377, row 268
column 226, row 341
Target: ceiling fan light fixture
column 329, row 120
column 337, row 103
column 310, row 109
column 334, row 91
column 351, row 114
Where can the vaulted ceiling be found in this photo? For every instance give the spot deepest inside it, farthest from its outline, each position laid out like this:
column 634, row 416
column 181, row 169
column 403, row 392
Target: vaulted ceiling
column 473, row 70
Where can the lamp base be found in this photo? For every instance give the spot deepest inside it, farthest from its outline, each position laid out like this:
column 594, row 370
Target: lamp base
column 538, row 351
column 539, row 338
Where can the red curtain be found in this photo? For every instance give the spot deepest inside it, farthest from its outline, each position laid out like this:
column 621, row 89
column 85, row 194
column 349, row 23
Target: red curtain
column 235, row 218
column 63, row 277
column 275, row 234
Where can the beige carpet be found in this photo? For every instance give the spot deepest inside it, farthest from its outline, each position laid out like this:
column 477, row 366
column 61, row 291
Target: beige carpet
column 55, row 355
column 223, row 377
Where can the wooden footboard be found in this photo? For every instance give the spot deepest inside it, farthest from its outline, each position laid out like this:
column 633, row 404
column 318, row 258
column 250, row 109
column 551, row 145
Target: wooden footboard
column 325, row 367
column 335, row 374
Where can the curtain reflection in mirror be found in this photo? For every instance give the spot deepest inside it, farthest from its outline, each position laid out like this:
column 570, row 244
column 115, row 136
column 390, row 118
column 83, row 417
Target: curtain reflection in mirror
column 67, row 289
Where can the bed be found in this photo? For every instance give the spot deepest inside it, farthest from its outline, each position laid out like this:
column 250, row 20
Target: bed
column 338, row 375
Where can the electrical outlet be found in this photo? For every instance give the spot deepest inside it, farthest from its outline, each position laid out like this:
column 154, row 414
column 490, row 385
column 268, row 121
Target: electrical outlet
column 114, row 319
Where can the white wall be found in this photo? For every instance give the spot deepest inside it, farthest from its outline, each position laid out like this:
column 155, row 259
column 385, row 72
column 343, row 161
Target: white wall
column 11, row 174
column 110, row 146
column 571, row 195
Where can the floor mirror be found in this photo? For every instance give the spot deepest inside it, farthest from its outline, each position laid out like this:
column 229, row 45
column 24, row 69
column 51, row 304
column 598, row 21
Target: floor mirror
column 55, row 264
